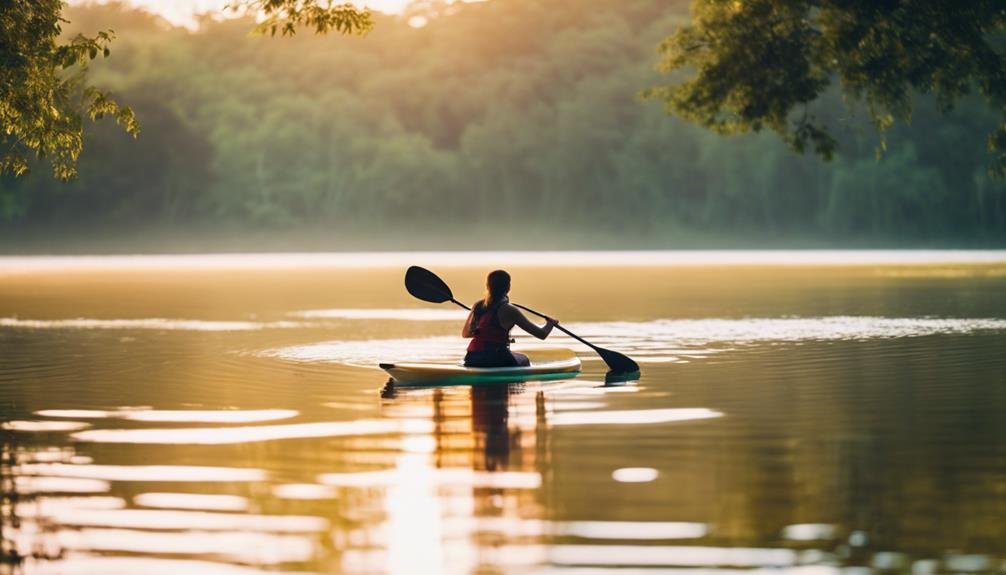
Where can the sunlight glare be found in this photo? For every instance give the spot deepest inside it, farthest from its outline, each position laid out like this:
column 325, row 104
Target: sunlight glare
column 635, row 474
column 199, row 501
column 185, row 12
column 174, row 416
column 414, row 518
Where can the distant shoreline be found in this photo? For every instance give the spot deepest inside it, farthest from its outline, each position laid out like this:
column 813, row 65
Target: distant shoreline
column 531, row 237
column 391, row 259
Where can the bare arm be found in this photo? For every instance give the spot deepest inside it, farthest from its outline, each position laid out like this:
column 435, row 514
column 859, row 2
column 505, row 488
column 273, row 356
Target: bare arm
column 517, row 317
column 468, row 331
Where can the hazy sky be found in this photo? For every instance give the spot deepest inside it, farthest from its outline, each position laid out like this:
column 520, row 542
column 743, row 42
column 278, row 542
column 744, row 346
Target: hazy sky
column 181, row 11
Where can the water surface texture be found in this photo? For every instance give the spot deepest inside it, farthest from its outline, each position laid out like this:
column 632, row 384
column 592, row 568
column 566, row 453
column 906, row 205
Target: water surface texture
column 223, row 415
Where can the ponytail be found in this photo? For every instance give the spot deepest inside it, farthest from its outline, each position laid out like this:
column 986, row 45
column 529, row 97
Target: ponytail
column 497, row 287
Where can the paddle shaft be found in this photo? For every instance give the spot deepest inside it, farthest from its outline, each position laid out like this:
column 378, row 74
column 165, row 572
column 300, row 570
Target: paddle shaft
column 539, row 314
column 557, row 326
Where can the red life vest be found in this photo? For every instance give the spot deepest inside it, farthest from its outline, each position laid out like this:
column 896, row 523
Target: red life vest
column 489, row 332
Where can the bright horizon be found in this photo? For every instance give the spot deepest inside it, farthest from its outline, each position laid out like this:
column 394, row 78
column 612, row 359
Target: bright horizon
column 182, row 12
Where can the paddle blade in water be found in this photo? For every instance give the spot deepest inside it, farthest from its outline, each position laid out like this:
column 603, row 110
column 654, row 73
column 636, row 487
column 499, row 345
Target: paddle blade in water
column 619, row 363
column 614, row 379
column 425, row 285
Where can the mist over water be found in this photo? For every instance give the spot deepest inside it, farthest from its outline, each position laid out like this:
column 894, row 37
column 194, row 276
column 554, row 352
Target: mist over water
column 168, row 415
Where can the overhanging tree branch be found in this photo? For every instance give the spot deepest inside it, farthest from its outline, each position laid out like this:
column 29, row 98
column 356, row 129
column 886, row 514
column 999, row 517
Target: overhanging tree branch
column 44, row 95
column 754, row 63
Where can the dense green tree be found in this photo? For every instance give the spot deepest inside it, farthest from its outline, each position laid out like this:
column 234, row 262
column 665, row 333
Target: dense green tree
column 44, row 95
column 42, row 102
column 497, row 124
column 761, row 64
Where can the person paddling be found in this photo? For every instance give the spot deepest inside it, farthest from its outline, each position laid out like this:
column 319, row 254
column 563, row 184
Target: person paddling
column 489, row 324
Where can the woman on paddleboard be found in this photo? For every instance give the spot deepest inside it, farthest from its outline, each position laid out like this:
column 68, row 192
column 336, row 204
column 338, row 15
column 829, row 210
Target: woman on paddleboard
column 489, row 325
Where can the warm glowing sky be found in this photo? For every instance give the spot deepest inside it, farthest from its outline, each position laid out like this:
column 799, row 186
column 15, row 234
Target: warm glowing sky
column 181, row 11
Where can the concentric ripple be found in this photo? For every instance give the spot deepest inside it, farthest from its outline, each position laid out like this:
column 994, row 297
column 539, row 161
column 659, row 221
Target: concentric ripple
column 664, row 340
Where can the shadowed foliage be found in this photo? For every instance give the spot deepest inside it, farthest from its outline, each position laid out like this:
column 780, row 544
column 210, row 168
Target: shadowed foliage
column 762, row 64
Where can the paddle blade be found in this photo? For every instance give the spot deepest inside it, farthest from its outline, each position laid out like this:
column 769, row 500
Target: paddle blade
column 619, row 363
column 426, row 285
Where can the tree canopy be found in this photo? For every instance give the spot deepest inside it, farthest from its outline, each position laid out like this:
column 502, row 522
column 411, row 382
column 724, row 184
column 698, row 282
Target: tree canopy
column 512, row 123
column 757, row 64
column 44, row 93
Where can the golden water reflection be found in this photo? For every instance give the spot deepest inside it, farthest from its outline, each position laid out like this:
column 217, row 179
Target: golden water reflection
column 192, row 501
column 174, row 416
column 464, row 489
column 802, row 421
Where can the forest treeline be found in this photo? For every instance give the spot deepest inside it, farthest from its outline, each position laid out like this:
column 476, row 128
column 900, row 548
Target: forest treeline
column 505, row 116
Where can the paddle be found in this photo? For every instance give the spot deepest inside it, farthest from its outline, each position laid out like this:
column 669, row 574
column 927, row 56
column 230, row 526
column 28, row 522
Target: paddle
column 427, row 286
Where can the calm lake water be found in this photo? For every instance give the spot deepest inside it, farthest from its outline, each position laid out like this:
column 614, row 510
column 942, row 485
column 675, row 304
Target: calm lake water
column 223, row 415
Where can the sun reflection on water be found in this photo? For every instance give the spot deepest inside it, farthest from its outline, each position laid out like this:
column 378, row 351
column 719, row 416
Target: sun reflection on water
column 793, row 419
column 174, row 416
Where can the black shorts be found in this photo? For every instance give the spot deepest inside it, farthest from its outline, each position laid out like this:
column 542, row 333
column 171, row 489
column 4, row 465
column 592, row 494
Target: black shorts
column 501, row 357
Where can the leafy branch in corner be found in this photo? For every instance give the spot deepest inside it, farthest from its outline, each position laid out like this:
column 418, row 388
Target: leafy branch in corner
column 44, row 94
column 758, row 64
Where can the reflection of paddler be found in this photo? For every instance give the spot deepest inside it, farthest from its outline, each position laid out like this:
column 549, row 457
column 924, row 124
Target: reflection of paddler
column 490, row 419
column 493, row 443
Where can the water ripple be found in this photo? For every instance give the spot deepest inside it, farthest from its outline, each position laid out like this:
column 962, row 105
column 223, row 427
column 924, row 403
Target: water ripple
column 147, row 323
column 659, row 341
column 43, row 426
column 633, row 417
column 185, row 473
column 442, row 476
column 406, row 314
column 252, row 434
column 244, row 547
column 88, row 565
column 789, row 329
column 196, row 501
column 172, row 416
column 78, row 516
column 371, row 352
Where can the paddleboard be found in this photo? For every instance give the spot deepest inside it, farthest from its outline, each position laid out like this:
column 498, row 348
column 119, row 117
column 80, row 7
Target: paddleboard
column 563, row 366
